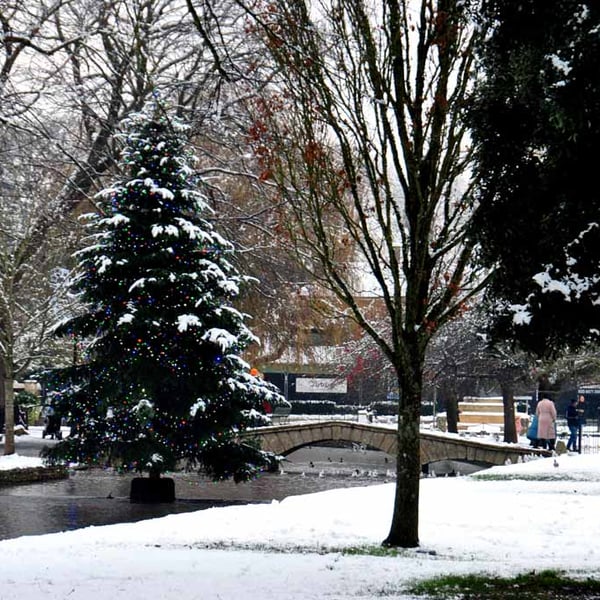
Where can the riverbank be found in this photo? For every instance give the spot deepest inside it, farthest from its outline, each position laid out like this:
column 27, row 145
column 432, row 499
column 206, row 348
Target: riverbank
column 32, row 474
column 501, row 521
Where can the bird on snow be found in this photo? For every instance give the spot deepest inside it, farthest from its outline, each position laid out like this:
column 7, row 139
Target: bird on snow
column 555, row 463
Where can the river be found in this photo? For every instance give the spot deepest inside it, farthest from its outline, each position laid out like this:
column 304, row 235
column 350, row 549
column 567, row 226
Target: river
column 101, row 496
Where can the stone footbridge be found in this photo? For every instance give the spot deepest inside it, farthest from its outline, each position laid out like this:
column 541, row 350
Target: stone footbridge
column 283, row 439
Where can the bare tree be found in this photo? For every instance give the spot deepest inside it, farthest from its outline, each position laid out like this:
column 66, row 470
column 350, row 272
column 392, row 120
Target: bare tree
column 78, row 67
column 363, row 138
column 461, row 360
column 197, row 55
column 32, row 294
column 28, row 34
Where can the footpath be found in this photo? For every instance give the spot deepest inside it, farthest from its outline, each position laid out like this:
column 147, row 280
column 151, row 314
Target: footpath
column 26, row 467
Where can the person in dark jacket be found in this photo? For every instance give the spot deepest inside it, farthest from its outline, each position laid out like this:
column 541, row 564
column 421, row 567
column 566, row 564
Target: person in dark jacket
column 573, row 423
column 52, row 421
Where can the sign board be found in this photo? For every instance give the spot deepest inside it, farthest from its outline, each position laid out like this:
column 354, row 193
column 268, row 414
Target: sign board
column 321, row 385
column 589, row 389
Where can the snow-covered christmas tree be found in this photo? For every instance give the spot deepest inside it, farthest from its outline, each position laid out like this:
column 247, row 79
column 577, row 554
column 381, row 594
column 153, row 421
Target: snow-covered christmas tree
column 162, row 382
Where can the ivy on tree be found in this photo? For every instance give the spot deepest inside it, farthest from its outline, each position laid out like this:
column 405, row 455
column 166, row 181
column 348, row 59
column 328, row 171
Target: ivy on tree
column 163, row 380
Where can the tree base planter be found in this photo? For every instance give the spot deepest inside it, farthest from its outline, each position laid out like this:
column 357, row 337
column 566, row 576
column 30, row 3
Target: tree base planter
column 152, row 490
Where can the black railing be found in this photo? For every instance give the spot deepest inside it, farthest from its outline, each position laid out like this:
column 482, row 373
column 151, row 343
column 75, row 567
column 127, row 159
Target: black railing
column 590, row 435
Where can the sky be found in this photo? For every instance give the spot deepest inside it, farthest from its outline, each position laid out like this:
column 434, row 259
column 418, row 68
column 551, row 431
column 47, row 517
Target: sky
column 504, row 520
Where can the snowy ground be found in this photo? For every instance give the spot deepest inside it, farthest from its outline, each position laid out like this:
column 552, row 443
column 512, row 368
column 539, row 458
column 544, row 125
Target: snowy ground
column 528, row 516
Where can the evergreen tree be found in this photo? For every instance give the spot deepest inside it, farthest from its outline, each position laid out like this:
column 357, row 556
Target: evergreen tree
column 162, row 380
column 537, row 126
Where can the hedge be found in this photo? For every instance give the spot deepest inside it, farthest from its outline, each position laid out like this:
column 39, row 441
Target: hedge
column 328, row 407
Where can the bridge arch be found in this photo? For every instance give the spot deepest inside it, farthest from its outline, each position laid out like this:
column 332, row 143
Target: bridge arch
column 285, row 439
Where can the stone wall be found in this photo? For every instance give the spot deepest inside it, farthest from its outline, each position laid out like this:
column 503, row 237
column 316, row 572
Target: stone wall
column 32, row 474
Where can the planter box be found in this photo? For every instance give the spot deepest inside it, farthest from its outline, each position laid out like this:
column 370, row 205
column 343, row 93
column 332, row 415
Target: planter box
column 146, row 490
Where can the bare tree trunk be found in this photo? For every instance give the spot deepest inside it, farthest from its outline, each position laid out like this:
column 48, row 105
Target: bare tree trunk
column 404, row 529
column 452, row 411
column 2, row 400
column 9, row 413
column 508, row 401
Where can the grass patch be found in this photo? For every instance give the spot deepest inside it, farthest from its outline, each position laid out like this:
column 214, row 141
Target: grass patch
column 373, row 551
column 525, row 477
column 529, row 586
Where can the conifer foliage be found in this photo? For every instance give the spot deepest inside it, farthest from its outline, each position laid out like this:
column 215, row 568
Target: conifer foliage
column 536, row 118
column 162, row 380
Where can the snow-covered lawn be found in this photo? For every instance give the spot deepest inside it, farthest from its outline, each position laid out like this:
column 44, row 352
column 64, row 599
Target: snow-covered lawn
column 14, row 461
column 525, row 517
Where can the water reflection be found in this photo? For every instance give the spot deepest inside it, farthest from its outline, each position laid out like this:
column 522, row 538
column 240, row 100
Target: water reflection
column 37, row 515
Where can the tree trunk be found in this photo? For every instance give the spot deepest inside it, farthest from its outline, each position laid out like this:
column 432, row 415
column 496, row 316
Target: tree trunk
column 452, row 411
column 9, row 416
column 2, row 402
column 508, row 401
column 404, row 530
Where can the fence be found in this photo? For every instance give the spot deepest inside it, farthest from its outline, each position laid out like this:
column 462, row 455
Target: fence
column 590, row 435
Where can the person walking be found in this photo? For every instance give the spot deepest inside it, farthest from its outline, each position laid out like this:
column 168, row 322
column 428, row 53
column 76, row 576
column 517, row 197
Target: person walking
column 573, row 425
column 546, row 414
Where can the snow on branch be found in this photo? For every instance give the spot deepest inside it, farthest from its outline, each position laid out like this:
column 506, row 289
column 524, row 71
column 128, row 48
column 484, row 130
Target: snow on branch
column 221, row 337
column 170, row 230
column 184, row 322
column 576, row 277
column 574, row 280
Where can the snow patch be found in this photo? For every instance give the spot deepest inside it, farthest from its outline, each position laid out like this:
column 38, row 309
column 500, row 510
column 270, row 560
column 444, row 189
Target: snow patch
column 186, row 321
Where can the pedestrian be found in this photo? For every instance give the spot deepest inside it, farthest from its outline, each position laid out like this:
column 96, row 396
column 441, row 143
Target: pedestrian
column 573, row 425
column 546, row 414
column 20, row 417
column 52, row 421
